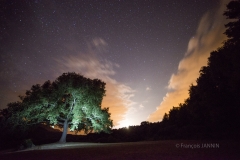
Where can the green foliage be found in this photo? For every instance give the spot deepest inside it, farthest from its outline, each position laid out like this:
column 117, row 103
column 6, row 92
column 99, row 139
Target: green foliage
column 71, row 97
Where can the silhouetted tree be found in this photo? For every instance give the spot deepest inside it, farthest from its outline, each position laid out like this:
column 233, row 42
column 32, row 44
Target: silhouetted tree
column 165, row 118
column 233, row 27
column 213, row 103
column 71, row 101
column 144, row 123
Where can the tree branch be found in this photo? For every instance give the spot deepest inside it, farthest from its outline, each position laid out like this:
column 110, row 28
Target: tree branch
column 61, row 118
column 60, row 123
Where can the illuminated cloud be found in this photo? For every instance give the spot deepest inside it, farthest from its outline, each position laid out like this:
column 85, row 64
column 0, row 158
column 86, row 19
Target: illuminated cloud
column 148, row 89
column 118, row 96
column 98, row 45
column 209, row 37
column 141, row 106
column 98, row 42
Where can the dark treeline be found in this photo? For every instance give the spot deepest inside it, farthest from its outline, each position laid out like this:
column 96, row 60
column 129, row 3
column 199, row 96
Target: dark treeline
column 213, row 107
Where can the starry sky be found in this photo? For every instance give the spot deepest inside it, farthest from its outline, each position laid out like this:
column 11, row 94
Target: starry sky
column 147, row 51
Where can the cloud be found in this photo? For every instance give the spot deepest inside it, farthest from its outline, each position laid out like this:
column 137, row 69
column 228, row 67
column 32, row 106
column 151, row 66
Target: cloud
column 148, row 89
column 141, row 106
column 98, row 45
column 99, row 42
column 118, row 95
column 209, row 36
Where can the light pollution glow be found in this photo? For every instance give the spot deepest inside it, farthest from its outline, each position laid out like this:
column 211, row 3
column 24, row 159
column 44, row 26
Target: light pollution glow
column 119, row 95
column 209, row 37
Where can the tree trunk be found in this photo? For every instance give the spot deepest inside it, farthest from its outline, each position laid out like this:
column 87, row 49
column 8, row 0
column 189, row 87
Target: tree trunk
column 64, row 133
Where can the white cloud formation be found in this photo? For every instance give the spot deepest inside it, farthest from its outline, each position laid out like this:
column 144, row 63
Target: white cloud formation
column 209, row 37
column 141, row 106
column 99, row 42
column 118, row 95
column 148, row 89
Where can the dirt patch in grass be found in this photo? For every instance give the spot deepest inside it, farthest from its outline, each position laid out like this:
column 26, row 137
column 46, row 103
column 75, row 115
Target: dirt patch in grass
column 135, row 150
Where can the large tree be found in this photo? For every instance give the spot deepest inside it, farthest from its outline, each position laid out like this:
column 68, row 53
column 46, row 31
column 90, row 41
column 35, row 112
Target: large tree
column 71, row 101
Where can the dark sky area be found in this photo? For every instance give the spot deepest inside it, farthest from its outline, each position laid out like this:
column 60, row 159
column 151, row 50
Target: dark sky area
column 133, row 45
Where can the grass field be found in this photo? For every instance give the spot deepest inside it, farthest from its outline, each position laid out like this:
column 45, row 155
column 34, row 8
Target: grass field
column 135, row 150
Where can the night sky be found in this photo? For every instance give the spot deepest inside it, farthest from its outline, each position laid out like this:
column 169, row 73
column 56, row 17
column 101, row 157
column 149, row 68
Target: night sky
column 148, row 52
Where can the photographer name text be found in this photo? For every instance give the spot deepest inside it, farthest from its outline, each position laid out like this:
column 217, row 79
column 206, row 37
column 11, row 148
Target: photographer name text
column 198, row 146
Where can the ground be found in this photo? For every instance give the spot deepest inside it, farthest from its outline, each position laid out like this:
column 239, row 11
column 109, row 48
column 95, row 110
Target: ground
column 134, row 150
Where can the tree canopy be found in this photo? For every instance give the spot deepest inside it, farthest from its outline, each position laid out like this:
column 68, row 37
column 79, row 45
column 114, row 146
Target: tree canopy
column 232, row 28
column 71, row 101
